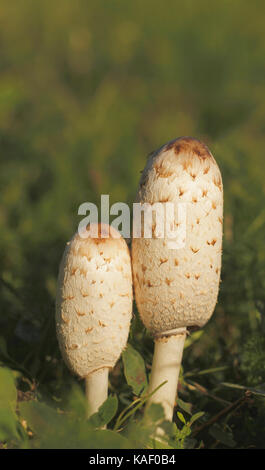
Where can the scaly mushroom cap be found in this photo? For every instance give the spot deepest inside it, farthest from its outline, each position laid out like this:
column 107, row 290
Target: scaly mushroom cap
column 94, row 301
column 177, row 288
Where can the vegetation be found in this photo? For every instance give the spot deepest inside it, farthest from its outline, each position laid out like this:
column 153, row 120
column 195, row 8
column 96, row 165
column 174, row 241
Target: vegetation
column 87, row 90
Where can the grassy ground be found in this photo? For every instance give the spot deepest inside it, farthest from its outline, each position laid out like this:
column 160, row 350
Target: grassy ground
column 87, row 90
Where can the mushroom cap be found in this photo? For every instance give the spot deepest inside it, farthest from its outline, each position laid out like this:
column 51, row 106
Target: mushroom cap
column 176, row 288
column 94, row 301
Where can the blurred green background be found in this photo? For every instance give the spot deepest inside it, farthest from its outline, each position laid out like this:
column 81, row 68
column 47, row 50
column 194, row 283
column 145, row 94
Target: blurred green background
column 87, row 90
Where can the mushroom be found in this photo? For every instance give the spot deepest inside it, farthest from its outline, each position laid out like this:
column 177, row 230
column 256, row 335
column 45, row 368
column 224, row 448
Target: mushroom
column 94, row 307
column 176, row 288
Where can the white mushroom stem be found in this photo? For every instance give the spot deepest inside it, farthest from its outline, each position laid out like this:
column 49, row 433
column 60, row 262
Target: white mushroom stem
column 166, row 366
column 96, row 389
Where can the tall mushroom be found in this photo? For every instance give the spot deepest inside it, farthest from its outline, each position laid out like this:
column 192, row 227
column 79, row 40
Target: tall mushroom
column 94, row 307
column 177, row 288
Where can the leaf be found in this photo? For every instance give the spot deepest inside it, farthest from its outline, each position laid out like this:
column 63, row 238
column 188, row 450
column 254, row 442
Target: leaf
column 8, row 400
column 8, row 423
column 77, row 402
column 196, row 416
column 181, row 436
column 134, row 369
column 138, row 434
column 106, row 439
column 155, row 412
column 181, row 417
column 224, row 437
column 105, row 413
column 42, row 418
column 169, row 428
column 160, row 443
column 56, row 430
column 187, row 407
column 8, row 391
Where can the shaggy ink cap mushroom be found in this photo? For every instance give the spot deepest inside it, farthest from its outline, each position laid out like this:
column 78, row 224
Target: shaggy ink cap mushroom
column 94, row 305
column 176, row 289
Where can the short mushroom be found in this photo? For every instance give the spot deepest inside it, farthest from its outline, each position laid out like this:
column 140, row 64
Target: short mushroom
column 177, row 288
column 94, row 307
